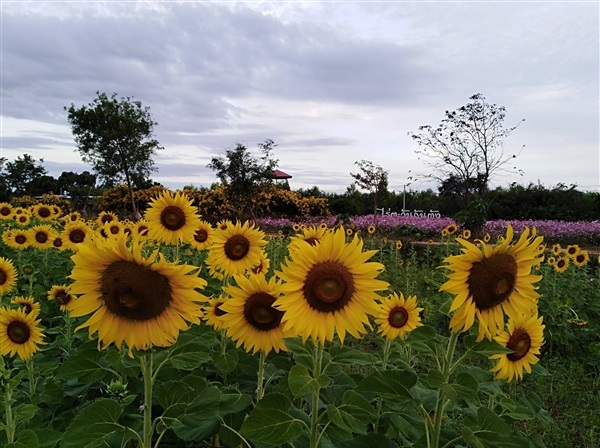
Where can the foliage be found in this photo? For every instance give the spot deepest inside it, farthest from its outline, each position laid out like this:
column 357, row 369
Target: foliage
column 24, row 176
column 116, row 138
column 372, row 178
column 467, row 148
column 244, row 174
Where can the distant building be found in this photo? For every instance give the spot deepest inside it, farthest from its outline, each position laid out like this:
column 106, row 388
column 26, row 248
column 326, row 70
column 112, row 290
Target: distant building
column 279, row 175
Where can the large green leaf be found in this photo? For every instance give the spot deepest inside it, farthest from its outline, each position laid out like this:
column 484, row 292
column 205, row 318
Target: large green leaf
column 488, row 430
column 25, row 439
column 424, row 339
column 371, row 440
column 271, row 423
column 342, row 354
column 174, row 397
column 84, row 366
column 93, row 425
column 302, row 383
column 226, row 362
column 389, row 384
column 201, row 418
column 190, row 356
column 353, row 415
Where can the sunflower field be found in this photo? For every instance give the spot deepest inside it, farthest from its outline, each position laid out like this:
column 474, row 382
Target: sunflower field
column 172, row 331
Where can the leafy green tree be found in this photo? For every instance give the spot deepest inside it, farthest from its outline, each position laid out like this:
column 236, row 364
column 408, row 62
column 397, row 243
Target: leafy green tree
column 24, row 176
column 244, row 174
column 466, row 150
column 116, row 138
column 372, row 178
column 79, row 187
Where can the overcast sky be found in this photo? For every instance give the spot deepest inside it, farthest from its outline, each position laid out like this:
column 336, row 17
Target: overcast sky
column 331, row 83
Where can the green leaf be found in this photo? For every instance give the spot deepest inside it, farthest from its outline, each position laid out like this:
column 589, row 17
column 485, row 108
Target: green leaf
column 488, row 430
column 342, row 354
column 489, row 348
column 84, row 366
column 232, row 403
column 49, row 437
column 24, row 412
column 302, row 383
column 226, row 362
column 201, row 419
column 424, row 339
column 25, row 439
column 270, row 423
column 174, row 397
column 354, row 413
column 93, row 425
column 371, row 440
column 389, row 384
column 435, row 378
column 190, row 356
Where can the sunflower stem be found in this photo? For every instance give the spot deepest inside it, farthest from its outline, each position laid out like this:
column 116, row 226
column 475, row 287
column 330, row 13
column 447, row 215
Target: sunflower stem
column 314, row 415
column 260, row 391
column 32, row 379
column 10, row 427
column 146, row 365
column 223, row 351
column 385, row 359
column 441, row 400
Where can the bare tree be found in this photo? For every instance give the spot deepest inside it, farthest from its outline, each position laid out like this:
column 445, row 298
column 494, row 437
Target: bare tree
column 467, row 147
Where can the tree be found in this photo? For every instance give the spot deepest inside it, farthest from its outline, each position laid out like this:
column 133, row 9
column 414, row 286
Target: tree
column 116, row 138
column 243, row 173
column 467, row 148
column 372, row 178
column 79, row 187
column 24, row 176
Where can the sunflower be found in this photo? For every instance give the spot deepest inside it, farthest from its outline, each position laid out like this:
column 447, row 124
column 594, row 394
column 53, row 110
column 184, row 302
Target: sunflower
column 323, row 226
column 61, row 294
column 250, row 317
column 19, row 239
column 398, row 316
column 6, row 210
column 296, row 227
column 28, row 304
column 22, row 220
column 41, row 236
column 202, row 236
column 349, row 232
column 136, row 300
column 42, row 212
column 329, row 288
column 561, row 264
column 466, row 234
column 56, row 211
column 21, row 211
column 236, row 249
column 444, row 232
column 262, row 267
column 105, row 217
column 452, row 229
column 490, row 281
column 58, row 243
column 114, row 228
column 140, row 229
column 75, row 234
column 398, row 245
column 486, row 238
column 551, row 261
column 581, row 258
column 556, row 249
column 371, row 229
column 213, row 313
column 524, row 337
column 73, row 216
column 172, row 218
column 311, row 234
column 571, row 250
column 8, row 275
column 19, row 333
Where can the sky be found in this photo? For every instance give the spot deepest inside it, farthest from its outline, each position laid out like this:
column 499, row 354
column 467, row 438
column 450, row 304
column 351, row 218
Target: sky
column 332, row 83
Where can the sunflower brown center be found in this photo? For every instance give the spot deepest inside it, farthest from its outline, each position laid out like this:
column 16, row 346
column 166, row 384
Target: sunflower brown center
column 492, row 280
column 57, row 242
column 26, row 307
column 44, row 212
column 398, row 317
column 328, row 287
column 5, row 211
column 135, row 292
column 20, row 239
column 114, row 229
column 106, row 218
column 260, row 314
column 3, row 277
column 312, row 240
column 218, row 311
column 41, row 237
column 77, row 236
column 519, row 343
column 237, row 247
column 580, row 258
column 18, row 332
column 173, row 218
column 63, row 297
column 201, row 235
column 22, row 219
